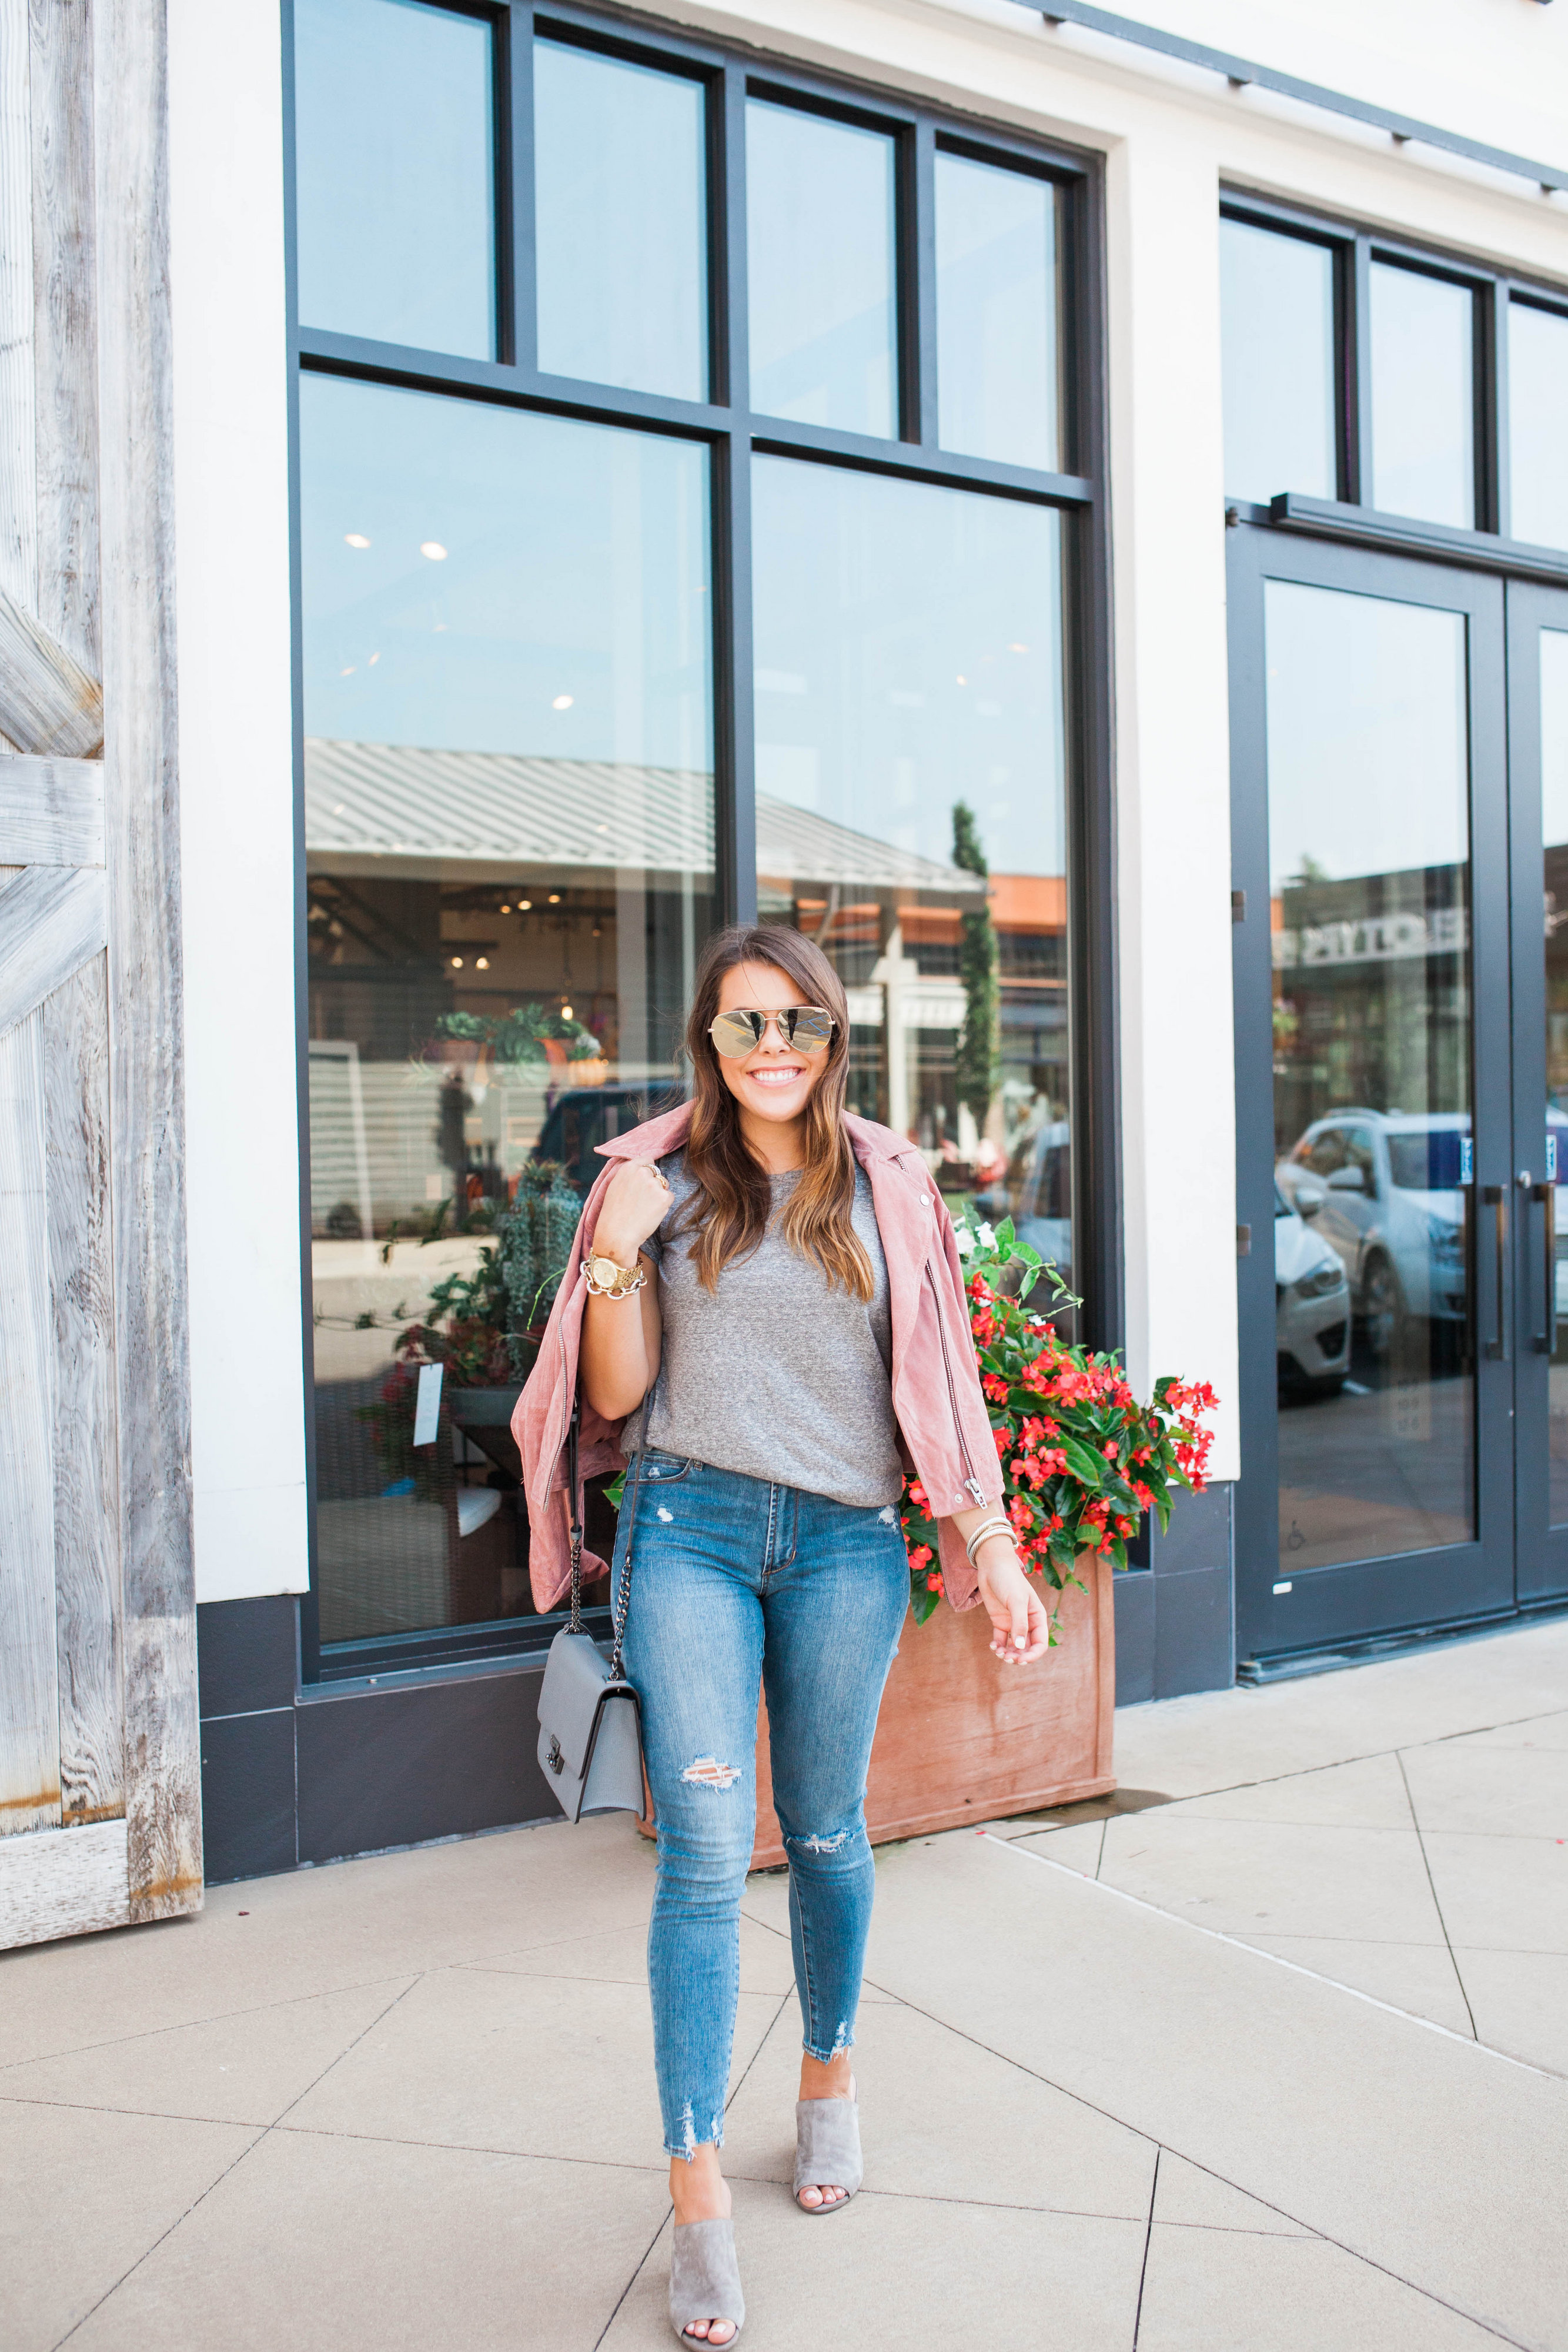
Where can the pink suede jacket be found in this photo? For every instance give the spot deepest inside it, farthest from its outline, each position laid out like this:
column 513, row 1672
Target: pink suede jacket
column 941, row 1414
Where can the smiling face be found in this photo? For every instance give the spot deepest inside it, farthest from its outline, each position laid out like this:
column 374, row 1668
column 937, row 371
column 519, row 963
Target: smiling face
column 775, row 1081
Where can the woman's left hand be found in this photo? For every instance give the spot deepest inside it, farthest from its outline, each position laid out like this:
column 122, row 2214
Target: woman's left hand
column 1020, row 1630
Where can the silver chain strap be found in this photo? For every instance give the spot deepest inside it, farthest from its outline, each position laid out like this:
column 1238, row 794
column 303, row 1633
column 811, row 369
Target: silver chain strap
column 624, row 1597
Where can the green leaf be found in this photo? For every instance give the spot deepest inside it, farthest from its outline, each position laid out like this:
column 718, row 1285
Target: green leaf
column 1086, row 1468
column 922, row 1603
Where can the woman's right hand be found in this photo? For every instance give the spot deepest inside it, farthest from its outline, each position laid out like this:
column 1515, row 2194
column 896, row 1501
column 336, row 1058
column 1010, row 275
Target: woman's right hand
column 633, row 1207
column 622, row 1338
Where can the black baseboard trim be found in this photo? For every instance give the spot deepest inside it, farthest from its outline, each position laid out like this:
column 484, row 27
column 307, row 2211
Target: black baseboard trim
column 1176, row 1615
column 293, row 1776
column 1284, row 1665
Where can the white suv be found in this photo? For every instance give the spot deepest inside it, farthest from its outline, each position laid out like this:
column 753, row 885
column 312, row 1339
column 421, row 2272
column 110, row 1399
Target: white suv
column 1386, row 1191
column 1311, row 1309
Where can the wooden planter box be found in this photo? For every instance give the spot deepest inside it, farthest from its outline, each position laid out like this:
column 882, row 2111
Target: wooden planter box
column 963, row 1739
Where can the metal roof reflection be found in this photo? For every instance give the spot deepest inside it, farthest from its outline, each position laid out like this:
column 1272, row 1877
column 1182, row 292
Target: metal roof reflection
column 392, row 800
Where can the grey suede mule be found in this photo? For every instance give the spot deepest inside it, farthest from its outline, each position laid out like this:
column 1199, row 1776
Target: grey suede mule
column 705, row 2279
column 827, row 2150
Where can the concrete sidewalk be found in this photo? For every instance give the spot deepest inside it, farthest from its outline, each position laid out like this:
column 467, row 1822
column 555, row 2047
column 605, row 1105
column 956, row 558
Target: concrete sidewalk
column 408, row 2101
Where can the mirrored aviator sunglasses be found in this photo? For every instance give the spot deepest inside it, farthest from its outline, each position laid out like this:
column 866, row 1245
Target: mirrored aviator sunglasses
column 808, row 1027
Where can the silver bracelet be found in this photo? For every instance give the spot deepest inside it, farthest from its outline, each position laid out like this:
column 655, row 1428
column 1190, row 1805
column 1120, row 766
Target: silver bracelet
column 995, row 1526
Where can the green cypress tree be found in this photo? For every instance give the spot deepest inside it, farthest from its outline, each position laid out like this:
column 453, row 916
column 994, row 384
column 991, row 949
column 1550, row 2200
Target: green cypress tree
column 979, row 1059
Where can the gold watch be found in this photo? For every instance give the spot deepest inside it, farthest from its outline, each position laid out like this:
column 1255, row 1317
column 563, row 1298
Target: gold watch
column 604, row 1280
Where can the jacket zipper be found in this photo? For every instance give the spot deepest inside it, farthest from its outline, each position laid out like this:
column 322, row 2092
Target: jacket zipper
column 972, row 1483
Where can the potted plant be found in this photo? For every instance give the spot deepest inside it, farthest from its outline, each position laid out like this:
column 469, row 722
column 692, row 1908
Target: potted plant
column 530, row 1032
column 483, row 1328
column 1083, row 1462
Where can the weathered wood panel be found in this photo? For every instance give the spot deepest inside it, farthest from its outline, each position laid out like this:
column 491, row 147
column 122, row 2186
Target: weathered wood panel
column 62, row 1883
column 65, row 327
column 86, row 1453
column 146, row 1093
column 47, row 702
column 18, row 481
column 51, row 810
column 29, row 1708
column 53, row 921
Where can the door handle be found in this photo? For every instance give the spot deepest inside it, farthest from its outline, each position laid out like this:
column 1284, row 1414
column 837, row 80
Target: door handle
column 1496, row 1199
column 1547, row 1195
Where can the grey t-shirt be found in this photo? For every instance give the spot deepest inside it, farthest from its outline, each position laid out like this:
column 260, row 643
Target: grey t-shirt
column 776, row 1375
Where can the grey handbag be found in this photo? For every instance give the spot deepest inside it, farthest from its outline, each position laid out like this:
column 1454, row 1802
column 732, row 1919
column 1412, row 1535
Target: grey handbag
column 590, row 1720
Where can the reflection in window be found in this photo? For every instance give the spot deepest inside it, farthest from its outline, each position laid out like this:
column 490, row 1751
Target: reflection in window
column 1554, row 841
column 619, row 164
column 1277, row 312
column 509, row 858
column 395, row 174
column 1369, row 854
column 997, row 313
column 1538, row 424
column 1423, row 396
column 910, row 810
column 820, row 235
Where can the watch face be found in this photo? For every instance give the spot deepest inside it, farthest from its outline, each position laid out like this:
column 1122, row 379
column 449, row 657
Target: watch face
column 603, row 1270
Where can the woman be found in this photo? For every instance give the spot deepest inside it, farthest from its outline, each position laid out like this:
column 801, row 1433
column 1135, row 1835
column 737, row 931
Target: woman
column 770, row 1317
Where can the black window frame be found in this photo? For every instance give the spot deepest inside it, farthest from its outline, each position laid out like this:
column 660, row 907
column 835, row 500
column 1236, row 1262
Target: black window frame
column 1350, row 513
column 733, row 435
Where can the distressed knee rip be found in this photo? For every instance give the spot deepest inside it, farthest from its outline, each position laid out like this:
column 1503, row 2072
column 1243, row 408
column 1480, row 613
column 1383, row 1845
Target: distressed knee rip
column 708, row 1772
column 668, row 1516
column 818, row 1844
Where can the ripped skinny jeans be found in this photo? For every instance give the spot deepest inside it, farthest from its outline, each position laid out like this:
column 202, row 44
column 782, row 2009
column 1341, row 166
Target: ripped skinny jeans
column 737, row 1581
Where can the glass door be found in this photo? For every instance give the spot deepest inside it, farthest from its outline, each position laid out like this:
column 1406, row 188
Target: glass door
column 1538, row 757
column 1379, row 1227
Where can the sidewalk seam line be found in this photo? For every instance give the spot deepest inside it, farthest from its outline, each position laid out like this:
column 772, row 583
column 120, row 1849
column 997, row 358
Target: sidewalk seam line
column 1148, row 2234
column 188, row 2026
column 1323, row 2237
column 264, row 2133
column 1437, row 1898
column 1218, row 1936
column 148, row 2252
column 1337, row 1763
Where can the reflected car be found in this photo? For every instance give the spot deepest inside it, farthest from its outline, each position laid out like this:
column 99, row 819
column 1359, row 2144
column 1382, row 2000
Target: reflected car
column 1311, row 1307
column 1385, row 1190
column 585, row 1116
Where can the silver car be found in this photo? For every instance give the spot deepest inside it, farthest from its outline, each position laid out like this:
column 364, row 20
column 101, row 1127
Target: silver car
column 1386, row 1191
column 1311, row 1306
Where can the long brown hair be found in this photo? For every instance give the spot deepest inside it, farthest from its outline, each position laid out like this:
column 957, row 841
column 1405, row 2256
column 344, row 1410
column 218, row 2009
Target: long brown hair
column 730, row 1213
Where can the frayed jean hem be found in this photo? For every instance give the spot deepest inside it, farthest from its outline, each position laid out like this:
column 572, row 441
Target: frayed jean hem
column 826, row 2057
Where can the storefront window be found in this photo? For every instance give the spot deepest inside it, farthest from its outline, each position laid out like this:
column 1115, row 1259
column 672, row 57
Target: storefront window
column 1423, row 396
column 576, row 687
column 620, row 159
column 820, row 233
column 997, row 308
column 1368, row 752
column 508, row 785
column 911, row 812
column 1277, row 298
column 395, row 172
column 1538, row 424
